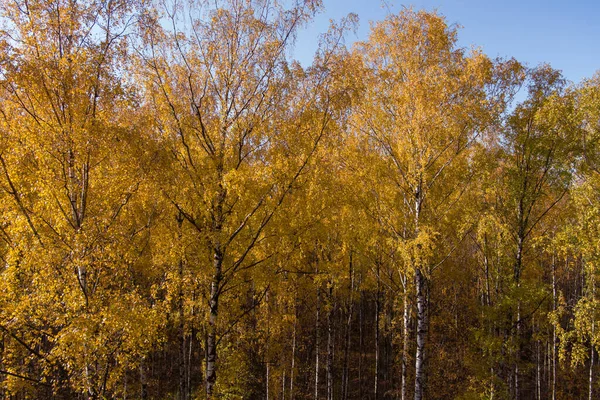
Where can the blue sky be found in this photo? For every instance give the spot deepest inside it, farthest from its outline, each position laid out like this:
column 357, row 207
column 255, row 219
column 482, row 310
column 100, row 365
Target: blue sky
column 565, row 34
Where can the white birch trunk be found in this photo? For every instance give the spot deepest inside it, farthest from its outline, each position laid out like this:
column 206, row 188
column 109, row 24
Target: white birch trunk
column 405, row 341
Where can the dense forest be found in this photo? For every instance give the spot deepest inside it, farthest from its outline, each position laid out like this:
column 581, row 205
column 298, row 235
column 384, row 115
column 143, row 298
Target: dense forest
column 188, row 213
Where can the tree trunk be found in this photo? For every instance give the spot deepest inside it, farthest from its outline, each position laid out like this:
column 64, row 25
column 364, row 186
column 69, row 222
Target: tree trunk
column 143, row 380
column 191, row 352
column 317, row 340
column 547, row 363
column 517, row 278
column 420, row 377
column 346, row 374
column 539, row 374
column 518, row 350
column 591, row 378
column 422, row 305
column 182, row 344
column 217, row 217
column 405, row 341
column 360, row 345
column 553, row 329
column 188, row 369
column 377, row 311
column 388, row 345
column 182, row 362
column 486, row 264
column 211, row 345
column 293, row 352
column 267, row 388
column 283, row 385
column 330, row 345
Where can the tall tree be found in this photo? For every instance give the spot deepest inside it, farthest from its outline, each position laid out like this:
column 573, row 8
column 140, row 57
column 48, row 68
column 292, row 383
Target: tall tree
column 239, row 126
column 579, row 339
column 536, row 167
column 425, row 103
column 75, row 221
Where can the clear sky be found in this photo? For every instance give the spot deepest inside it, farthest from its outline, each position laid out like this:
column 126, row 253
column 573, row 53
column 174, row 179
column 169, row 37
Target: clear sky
column 563, row 33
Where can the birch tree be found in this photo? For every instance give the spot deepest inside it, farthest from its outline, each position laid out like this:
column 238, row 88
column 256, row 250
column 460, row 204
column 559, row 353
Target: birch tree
column 239, row 125
column 425, row 103
column 73, row 216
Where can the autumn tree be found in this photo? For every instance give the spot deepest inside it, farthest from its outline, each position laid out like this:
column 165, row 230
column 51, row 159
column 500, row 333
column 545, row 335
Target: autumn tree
column 425, row 103
column 180, row 200
column 74, row 222
column 536, row 171
column 578, row 337
column 239, row 126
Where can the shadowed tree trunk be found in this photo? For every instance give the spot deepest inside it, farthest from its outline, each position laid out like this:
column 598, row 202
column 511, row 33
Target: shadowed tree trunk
column 330, row 344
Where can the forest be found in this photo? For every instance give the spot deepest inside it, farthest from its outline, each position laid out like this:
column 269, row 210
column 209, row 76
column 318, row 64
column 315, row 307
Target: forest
column 187, row 212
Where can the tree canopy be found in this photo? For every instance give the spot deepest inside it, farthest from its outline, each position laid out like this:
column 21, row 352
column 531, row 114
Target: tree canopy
column 187, row 212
